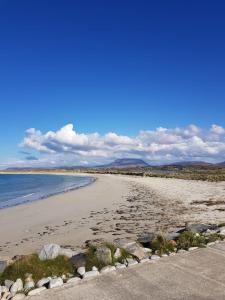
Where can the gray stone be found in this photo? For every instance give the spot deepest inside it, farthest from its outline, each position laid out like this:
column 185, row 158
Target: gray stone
column 117, row 254
column 74, row 280
column 67, row 252
column 155, row 257
column 132, row 248
column 43, row 282
column 146, row 238
column 3, row 289
column 16, row 287
column 8, row 283
column 19, row 297
column 78, row 260
column 120, row 266
column 81, row 271
column 197, row 228
column 6, row 296
column 3, row 265
column 131, row 262
column 222, row 230
column 192, row 248
column 91, row 274
column 49, row 251
column 94, row 268
column 107, row 269
column 37, row 291
column 103, row 255
column 55, row 282
column 173, row 236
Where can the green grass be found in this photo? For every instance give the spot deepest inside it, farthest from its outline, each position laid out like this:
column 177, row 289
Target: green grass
column 162, row 246
column 39, row 269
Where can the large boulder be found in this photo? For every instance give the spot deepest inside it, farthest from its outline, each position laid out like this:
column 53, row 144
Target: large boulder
column 49, row 251
column 133, row 248
column 104, row 255
column 78, row 260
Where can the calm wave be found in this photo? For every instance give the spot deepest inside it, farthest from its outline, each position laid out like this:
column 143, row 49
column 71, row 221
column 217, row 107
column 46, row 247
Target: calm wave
column 19, row 188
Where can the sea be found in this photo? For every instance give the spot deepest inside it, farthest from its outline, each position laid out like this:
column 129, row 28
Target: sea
column 16, row 189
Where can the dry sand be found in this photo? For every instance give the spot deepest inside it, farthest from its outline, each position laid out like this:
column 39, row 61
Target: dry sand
column 113, row 206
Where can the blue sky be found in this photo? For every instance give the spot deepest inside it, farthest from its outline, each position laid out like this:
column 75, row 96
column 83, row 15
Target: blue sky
column 111, row 67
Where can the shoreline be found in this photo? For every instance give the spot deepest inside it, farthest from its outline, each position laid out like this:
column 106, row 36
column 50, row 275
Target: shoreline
column 72, row 188
column 115, row 206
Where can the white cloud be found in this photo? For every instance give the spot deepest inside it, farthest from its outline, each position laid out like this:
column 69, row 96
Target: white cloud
column 66, row 146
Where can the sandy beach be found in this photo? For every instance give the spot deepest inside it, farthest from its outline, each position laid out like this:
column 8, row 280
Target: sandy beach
column 111, row 207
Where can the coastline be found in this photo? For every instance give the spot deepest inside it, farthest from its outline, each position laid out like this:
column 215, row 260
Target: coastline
column 47, row 195
column 113, row 206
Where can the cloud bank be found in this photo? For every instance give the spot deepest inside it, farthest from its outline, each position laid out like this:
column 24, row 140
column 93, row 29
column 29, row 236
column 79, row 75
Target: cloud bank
column 66, row 146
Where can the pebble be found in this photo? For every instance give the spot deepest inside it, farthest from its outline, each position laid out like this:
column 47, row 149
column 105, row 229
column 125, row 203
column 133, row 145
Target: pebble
column 117, row 254
column 155, row 257
column 107, row 269
column 181, row 251
column 91, row 274
column 36, row 291
column 43, row 282
column 55, row 282
column 74, row 280
column 81, row 271
column 131, row 262
column 120, row 266
column 192, row 248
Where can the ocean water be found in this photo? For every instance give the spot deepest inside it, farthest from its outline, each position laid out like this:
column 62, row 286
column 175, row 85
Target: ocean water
column 19, row 188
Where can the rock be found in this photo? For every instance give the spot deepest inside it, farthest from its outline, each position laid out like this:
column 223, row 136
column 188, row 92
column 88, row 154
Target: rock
column 78, row 260
column 131, row 262
column 43, row 282
column 133, row 248
column 107, row 269
column 91, row 274
column 146, row 238
column 155, row 257
column 148, row 251
column 3, row 265
column 197, row 228
column 94, row 268
column 81, row 271
column 6, row 296
column 173, row 236
column 74, row 280
column 192, row 248
column 67, row 252
column 103, row 255
column 117, row 254
column 36, row 291
column 55, row 282
column 16, row 287
column 181, row 251
column 3, row 289
column 49, row 251
column 164, row 255
column 211, row 243
column 144, row 260
column 8, row 283
column 120, row 266
column 29, row 282
column 222, row 230
column 18, row 297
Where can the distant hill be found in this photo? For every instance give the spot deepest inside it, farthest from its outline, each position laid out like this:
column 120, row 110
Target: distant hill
column 190, row 163
column 222, row 164
column 126, row 163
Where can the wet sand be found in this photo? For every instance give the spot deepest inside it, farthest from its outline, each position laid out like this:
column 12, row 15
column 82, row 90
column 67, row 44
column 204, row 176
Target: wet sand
column 113, row 206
